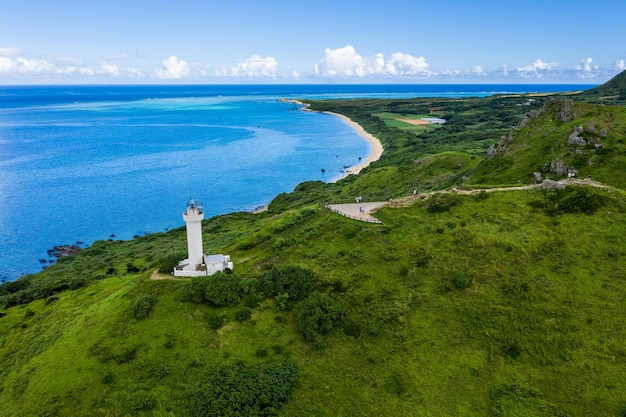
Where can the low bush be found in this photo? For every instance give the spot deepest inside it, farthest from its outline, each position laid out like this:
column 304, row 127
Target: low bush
column 571, row 200
column 216, row 321
column 143, row 306
column 462, row 280
column 76, row 283
column 168, row 263
column 243, row 314
column 317, row 315
column 295, row 281
column 441, row 203
column 244, row 390
column 220, row 289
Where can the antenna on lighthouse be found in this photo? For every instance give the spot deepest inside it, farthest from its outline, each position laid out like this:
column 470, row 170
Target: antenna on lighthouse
column 190, row 197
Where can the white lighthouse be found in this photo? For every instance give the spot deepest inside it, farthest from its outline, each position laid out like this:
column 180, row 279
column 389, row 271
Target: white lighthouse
column 197, row 263
column 193, row 218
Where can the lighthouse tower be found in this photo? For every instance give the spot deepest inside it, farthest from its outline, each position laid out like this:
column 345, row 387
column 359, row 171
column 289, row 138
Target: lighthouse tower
column 193, row 218
column 197, row 263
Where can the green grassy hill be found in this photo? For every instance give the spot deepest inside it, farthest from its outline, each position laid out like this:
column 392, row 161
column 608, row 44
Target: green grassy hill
column 611, row 92
column 563, row 136
column 506, row 303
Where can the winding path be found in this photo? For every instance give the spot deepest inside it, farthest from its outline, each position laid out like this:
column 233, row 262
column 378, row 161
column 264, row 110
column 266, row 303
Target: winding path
column 363, row 211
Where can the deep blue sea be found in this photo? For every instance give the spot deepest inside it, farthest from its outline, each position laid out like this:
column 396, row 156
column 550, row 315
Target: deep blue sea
column 83, row 163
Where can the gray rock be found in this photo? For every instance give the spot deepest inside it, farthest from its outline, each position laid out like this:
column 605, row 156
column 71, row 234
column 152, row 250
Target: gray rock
column 575, row 139
column 491, row 152
column 558, row 167
column 550, row 185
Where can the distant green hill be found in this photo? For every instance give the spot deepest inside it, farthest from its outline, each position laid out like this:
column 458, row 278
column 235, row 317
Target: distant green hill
column 503, row 303
column 611, row 92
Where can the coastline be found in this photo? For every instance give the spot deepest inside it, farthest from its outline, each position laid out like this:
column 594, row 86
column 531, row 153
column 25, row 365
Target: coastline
column 377, row 146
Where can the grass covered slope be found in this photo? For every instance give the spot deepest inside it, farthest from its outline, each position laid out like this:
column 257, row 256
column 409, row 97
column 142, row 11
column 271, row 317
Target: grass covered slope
column 564, row 136
column 507, row 303
column 611, row 92
column 470, row 305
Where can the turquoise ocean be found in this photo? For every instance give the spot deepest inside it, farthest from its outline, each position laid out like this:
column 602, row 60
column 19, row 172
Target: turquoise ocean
column 85, row 163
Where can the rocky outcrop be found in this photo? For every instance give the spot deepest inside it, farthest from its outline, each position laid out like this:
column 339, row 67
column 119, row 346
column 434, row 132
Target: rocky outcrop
column 568, row 111
column 575, row 138
column 550, row 185
column 558, row 167
column 500, row 148
column 64, row 250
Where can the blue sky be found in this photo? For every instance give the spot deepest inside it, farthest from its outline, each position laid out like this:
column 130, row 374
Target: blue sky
column 320, row 41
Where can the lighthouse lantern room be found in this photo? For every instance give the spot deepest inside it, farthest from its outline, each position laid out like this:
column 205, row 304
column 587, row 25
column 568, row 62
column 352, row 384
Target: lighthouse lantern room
column 197, row 263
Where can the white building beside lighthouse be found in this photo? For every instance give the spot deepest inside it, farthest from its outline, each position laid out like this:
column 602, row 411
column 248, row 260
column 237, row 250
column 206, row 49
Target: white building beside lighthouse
column 197, row 262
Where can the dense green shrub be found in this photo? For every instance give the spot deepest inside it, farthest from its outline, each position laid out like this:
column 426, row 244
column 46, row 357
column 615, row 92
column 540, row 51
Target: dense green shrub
column 441, row 203
column 220, row 289
column 168, row 263
column 571, row 200
column 76, row 283
column 143, row 306
column 243, row 314
column 317, row 315
column 14, row 286
column 295, row 281
column 223, row 289
column 244, row 390
column 462, row 280
column 216, row 321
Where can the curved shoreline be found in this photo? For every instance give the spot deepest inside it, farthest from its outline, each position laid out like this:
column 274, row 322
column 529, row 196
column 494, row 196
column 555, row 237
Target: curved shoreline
column 377, row 146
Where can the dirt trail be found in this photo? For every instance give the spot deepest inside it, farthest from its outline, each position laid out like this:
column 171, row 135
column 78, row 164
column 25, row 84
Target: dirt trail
column 406, row 201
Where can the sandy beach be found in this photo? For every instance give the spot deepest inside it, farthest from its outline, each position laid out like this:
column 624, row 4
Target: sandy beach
column 377, row 147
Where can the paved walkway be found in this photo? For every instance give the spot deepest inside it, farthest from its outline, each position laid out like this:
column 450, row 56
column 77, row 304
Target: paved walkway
column 358, row 211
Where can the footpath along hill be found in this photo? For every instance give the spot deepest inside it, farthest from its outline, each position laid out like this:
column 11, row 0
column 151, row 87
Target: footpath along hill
column 503, row 303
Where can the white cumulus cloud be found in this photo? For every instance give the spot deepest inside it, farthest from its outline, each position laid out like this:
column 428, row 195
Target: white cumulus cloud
column 586, row 70
column 619, row 65
column 536, row 69
column 108, row 69
column 253, row 67
column 75, row 70
column 346, row 62
column 405, row 64
column 172, row 69
column 478, row 70
column 343, row 61
column 26, row 66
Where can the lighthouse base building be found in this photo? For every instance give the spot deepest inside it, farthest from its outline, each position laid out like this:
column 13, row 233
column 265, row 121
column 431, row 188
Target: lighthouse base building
column 198, row 263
